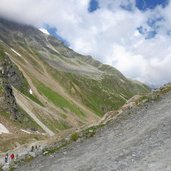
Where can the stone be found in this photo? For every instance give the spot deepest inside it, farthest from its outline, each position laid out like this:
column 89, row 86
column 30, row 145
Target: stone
column 32, row 154
column 6, row 167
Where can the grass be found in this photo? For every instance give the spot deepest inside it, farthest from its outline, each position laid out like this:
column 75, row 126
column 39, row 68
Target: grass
column 1, row 90
column 57, row 99
column 91, row 131
column 32, row 97
column 54, row 124
column 56, row 148
column 24, row 121
column 96, row 94
column 100, row 96
column 74, row 136
column 2, row 54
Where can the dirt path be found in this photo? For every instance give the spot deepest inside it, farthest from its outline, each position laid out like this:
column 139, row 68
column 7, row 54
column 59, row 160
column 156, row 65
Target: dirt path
column 136, row 141
column 22, row 103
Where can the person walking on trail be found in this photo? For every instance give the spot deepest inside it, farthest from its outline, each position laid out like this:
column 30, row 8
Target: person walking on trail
column 6, row 158
column 32, row 148
column 12, row 157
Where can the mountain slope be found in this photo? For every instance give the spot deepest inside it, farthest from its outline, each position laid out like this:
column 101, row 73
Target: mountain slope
column 62, row 88
column 138, row 139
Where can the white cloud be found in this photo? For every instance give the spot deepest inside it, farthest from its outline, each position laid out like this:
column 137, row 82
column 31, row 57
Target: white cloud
column 108, row 34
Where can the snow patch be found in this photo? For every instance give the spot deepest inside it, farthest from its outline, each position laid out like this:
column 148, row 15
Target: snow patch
column 3, row 129
column 44, row 31
column 30, row 91
column 15, row 52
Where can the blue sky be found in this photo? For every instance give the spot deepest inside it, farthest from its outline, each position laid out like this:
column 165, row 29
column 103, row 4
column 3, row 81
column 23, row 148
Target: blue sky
column 132, row 35
column 93, row 5
column 140, row 4
column 53, row 31
column 150, row 4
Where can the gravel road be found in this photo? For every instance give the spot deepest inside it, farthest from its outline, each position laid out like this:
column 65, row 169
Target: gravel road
column 139, row 140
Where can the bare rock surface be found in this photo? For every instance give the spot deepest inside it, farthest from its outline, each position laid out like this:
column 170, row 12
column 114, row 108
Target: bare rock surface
column 137, row 140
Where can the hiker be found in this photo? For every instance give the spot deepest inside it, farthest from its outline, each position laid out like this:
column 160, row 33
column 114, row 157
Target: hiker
column 40, row 148
column 6, row 158
column 32, row 148
column 12, row 157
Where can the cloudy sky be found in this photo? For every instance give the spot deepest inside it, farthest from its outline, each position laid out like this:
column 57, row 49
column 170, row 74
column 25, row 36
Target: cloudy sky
column 132, row 35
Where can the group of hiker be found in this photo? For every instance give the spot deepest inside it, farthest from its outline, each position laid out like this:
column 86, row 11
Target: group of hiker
column 35, row 148
column 9, row 158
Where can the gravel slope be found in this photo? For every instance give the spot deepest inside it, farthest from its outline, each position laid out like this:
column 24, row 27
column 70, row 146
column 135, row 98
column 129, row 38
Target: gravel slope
column 139, row 140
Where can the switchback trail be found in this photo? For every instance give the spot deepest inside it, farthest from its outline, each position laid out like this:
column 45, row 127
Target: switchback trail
column 138, row 140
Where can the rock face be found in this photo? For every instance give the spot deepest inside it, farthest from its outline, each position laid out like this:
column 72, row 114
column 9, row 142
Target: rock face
column 9, row 77
column 11, row 73
column 9, row 100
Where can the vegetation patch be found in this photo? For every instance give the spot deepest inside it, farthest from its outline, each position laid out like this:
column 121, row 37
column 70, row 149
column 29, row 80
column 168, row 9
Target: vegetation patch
column 91, row 131
column 95, row 94
column 54, row 124
column 2, row 54
column 32, row 97
column 55, row 148
column 57, row 99
column 1, row 90
column 74, row 136
column 24, row 121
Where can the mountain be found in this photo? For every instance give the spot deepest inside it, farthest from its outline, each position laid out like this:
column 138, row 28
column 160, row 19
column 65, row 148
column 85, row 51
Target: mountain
column 47, row 87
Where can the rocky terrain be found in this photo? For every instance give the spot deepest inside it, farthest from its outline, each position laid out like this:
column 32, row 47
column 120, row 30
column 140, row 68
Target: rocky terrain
column 139, row 138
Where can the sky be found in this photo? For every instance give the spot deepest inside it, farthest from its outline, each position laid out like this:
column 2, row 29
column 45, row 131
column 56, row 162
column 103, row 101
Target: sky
column 134, row 36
